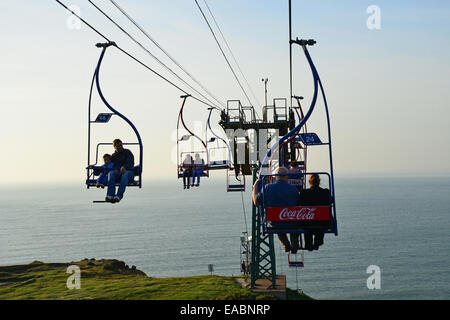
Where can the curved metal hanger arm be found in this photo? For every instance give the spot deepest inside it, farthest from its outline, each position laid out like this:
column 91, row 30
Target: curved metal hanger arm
column 208, row 123
column 102, row 97
column 308, row 114
column 180, row 118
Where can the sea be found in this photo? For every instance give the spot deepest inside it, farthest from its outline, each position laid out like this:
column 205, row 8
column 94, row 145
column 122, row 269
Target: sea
column 399, row 227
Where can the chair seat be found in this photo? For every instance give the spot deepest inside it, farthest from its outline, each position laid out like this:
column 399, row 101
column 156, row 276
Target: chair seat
column 237, row 187
column 97, row 170
column 203, row 174
column 218, row 166
column 219, row 163
column 93, row 183
column 296, row 264
column 299, row 230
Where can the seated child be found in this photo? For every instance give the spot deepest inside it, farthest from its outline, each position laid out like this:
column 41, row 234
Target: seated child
column 102, row 180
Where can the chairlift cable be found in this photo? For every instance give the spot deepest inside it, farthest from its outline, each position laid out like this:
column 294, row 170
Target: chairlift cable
column 232, row 55
column 243, row 208
column 84, row 21
column 148, row 51
column 164, row 51
column 221, row 50
column 128, row 54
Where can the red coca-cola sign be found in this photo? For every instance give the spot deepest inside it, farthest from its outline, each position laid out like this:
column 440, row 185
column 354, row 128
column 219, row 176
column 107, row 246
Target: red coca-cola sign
column 298, row 214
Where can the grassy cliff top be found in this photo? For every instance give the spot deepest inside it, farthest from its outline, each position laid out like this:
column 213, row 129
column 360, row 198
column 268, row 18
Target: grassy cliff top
column 114, row 280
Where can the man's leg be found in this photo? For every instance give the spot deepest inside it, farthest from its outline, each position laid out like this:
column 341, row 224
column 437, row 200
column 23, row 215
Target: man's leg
column 284, row 241
column 193, row 177
column 294, row 242
column 198, row 177
column 124, row 180
column 308, row 241
column 197, row 174
column 194, row 174
column 318, row 239
column 186, row 178
column 111, row 184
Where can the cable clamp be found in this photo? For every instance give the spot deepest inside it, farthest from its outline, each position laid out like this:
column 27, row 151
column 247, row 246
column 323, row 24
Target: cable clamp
column 106, row 44
column 304, row 42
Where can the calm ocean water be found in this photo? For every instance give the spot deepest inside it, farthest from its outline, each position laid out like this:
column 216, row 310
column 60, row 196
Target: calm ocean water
column 401, row 225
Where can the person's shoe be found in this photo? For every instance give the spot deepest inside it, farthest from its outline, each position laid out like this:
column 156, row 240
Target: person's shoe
column 287, row 248
column 316, row 247
column 192, row 185
column 197, row 185
column 97, row 185
column 309, row 248
column 184, row 187
column 294, row 250
column 109, row 199
column 102, row 186
column 116, row 199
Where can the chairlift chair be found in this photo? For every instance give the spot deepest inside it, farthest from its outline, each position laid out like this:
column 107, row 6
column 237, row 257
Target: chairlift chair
column 182, row 140
column 94, row 169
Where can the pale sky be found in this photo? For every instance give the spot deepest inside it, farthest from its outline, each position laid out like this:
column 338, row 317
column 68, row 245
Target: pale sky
column 387, row 89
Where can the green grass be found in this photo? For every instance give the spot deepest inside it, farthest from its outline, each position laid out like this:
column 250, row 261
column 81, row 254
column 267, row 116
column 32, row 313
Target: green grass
column 113, row 280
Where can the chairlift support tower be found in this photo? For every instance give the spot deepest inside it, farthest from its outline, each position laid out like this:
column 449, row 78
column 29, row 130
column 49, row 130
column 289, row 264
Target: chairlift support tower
column 263, row 261
column 263, row 265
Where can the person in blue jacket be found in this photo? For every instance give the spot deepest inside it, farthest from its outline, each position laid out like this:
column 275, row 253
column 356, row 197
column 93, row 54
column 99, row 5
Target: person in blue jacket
column 279, row 194
column 102, row 180
column 199, row 165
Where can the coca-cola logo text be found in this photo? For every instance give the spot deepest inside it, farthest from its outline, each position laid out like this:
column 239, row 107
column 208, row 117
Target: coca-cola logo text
column 297, row 214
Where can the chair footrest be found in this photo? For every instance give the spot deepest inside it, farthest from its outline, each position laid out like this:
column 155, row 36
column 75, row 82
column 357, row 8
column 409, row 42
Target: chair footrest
column 219, row 167
column 232, row 188
column 203, row 174
column 298, row 230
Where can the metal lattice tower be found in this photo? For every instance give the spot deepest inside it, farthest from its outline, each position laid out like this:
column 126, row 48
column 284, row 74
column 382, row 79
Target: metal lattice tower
column 263, row 252
column 237, row 117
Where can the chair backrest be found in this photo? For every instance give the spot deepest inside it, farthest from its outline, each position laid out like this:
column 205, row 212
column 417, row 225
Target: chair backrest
column 137, row 170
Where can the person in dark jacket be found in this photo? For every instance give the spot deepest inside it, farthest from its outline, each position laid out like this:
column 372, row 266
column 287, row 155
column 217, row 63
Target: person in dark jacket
column 187, row 168
column 314, row 196
column 123, row 161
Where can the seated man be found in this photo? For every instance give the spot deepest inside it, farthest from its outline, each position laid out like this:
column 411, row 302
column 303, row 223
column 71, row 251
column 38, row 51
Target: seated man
column 199, row 166
column 279, row 194
column 187, row 168
column 123, row 161
column 314, row 196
